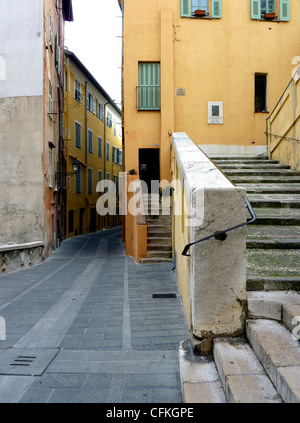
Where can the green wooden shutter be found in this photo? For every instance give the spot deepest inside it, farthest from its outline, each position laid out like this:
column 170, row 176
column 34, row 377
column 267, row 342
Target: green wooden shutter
column 149, row 86
column 284, row 10
column 216, row 9
column 255, row 9
column 185, row 8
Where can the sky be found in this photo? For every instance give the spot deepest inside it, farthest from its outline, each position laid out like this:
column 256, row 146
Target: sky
column 95, row 37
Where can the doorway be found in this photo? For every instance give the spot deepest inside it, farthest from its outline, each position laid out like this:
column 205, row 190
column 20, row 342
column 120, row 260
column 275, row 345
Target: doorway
column 81, row 214
column 149, row 168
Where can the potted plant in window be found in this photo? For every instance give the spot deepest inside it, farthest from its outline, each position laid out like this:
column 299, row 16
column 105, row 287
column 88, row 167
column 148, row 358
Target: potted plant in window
column 199, row 12
column 270, row 16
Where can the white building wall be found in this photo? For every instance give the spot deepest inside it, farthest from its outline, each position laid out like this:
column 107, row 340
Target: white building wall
column 21, row 121
column 21, row 48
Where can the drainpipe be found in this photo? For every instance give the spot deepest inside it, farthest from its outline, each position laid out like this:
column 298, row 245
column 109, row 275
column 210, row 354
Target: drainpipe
column 85, row 124
column 105, row 104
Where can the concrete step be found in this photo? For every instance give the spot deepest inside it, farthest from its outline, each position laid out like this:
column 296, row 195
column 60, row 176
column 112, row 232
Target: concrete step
column 250, row 165
column 284, row 244
column 273, row 283
column 261, row 162
column 275, row 200
column 279, row 354
column 154, row 260
column 272, row 263
column 265, row 179
column 200, row 381
column 278, row 188
column 164, row 223
column 159, row 254
column 161, row 240
column 242, row 375
column 277, row 216
column 262, row 172
column 155, row 232
column 272, row 232
column 239, row 158
column 269, row 305
column 291, row 318
column 159, row 247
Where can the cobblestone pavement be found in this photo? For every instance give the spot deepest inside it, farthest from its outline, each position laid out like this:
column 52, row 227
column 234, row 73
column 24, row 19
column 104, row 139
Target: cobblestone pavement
column 85, row 326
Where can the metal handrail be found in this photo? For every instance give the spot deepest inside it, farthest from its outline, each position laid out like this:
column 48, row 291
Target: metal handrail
column 222, row 235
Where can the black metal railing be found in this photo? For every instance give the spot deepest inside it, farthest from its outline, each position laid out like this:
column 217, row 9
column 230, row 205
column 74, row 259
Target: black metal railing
column 222, row 234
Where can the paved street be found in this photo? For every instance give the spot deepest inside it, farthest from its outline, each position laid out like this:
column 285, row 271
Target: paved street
column 84, row 326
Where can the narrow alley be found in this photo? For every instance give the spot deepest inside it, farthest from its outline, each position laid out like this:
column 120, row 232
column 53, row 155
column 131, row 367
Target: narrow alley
column 91, row 325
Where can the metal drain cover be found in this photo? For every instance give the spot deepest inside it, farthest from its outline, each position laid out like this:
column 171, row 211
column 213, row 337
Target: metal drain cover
column 164, row 296
column 26, row 361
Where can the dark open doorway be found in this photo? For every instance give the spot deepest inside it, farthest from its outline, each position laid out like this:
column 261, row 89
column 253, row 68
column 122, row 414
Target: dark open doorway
column 149, row 168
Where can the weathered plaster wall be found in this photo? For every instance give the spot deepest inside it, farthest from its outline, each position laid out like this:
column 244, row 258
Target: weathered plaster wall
column 21, row 47
column 21, row 176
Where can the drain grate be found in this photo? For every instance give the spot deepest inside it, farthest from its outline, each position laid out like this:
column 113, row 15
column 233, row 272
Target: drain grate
column 26, row 361
column 164, row 296
column 23, row 360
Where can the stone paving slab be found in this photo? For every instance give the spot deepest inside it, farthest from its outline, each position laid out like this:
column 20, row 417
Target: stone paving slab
column 115, row 342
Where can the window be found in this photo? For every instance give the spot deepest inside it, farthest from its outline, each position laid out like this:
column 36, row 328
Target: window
column 93, row 104
column 99, row 186
column 99, row 147
column 77, row 91
column 90, row 141
column 77, row 135
column 50, row 97
column 51, row 32
column 78, row 181
column 109, row 119
column 107, row 151
column 261, row 93
column 102, row 112
column 50, row 173
column 71, row 221
column 90, row 180
column 120, row 157
column 108, row 179
column 115, row 127
column 115, row 154
column 116, row 183
column 66, row 80
column 90, row 102
column 261, row 9
column 87, row 96
column 149, row 86
column 211, row 8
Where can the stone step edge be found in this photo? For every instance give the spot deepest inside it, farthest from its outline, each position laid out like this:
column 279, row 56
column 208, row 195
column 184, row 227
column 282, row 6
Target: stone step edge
column 199, row 378
column 279, row 354
column 242, row 375
column 269, row 305
column 276, row 283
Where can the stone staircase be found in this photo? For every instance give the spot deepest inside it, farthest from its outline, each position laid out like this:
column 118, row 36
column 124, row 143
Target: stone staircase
column 159, row 231
column 264, row 365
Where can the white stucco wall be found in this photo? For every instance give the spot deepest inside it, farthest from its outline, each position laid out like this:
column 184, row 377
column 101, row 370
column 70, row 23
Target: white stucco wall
column 21, row 48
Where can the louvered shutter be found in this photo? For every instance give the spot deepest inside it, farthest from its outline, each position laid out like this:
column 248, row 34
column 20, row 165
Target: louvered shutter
column 185, row 8
column 284, row 10
column 216, row 9
column 149, row 86
column 255, row 9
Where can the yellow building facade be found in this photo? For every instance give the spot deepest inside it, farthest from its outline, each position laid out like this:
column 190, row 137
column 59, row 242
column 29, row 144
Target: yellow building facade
column 93, row 136
column 215, row 77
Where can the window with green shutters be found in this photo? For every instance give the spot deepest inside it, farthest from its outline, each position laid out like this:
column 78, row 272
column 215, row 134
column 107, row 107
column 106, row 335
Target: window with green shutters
column 90, row 180
column 261, row 10
column 149, row 86
column 210, row 8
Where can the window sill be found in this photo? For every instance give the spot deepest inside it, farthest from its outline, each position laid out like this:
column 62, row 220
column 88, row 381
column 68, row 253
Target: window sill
column 148, row 110
column 261, row 111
